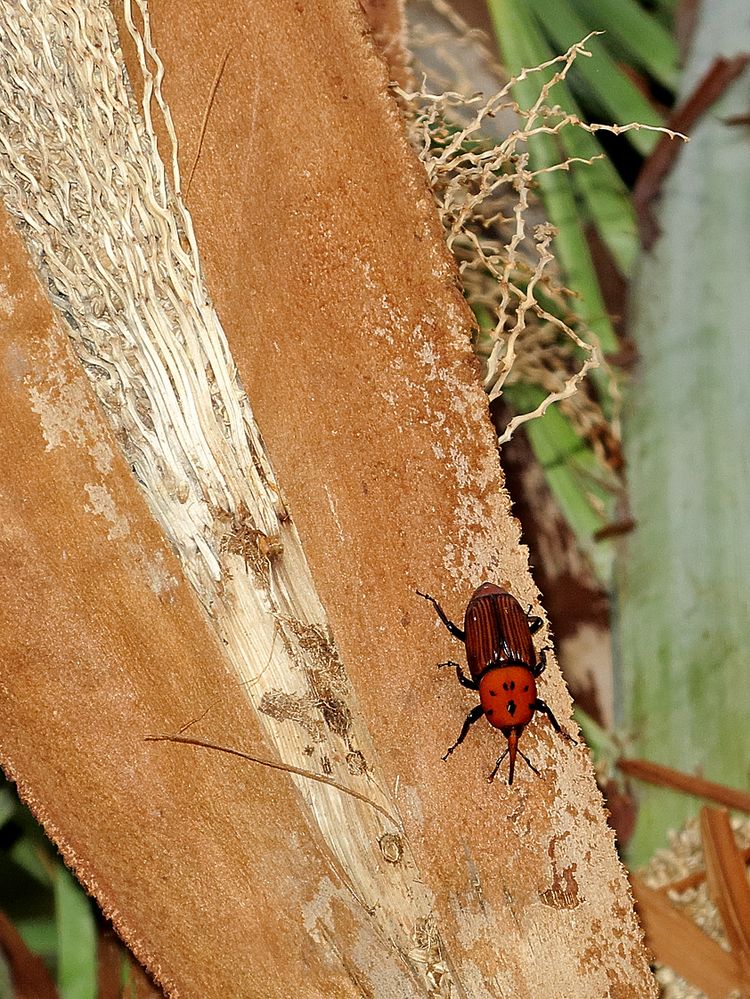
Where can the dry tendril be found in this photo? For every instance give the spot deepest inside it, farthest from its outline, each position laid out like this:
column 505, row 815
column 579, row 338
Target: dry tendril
column 484, row 195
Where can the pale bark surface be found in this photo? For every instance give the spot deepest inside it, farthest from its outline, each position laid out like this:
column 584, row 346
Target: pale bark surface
column 325, row 260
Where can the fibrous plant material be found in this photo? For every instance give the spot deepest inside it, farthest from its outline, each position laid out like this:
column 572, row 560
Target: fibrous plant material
column 693, row 897
column 128, row 278
column 484, row 196
column 386, row 19
column 450, row 55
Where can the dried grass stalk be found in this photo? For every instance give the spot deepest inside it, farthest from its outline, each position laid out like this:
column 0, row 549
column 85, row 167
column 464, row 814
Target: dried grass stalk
column 697, row 930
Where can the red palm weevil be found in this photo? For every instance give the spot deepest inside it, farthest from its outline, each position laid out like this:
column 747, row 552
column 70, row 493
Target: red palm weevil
column 504, row 667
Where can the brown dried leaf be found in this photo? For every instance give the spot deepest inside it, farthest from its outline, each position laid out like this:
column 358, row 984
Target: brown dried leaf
column 655, row 773
column 694, row 879
column 31, row 980
column 706, row 92
column 727, row 882
column 677, row 942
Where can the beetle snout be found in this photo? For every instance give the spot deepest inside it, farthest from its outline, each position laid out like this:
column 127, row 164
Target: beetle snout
column 512, row 750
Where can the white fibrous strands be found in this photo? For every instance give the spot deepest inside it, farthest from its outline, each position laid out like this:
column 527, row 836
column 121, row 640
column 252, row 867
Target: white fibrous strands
column 485, row 196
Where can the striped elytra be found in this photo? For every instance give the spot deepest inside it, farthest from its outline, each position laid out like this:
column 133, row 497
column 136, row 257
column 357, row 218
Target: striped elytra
column 497, row 631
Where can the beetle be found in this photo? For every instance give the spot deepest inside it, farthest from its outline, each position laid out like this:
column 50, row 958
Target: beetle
column 504, row 668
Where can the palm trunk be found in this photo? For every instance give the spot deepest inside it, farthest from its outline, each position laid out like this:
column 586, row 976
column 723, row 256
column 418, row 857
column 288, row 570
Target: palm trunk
column 256, row 593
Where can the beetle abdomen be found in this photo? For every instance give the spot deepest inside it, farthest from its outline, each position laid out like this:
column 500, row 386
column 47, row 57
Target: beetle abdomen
column 497, row 630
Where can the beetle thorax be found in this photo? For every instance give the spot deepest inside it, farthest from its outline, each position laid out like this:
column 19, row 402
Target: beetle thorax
column 507, row 694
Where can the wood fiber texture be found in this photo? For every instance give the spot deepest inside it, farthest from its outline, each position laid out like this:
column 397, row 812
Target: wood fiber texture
column 103, row 643
column 326, row 261
column 325, row 258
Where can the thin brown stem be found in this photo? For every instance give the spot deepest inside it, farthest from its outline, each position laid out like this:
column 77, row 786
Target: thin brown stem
column 694, row 879
column 275, row 765
column 656, row 773
column 206, row 113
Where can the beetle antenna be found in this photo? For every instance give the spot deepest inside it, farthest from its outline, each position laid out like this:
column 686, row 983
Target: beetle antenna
column 497, row 767
column 526, row 760
column 529, row 763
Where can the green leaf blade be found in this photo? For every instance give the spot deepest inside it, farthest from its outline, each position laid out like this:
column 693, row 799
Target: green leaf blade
column 76, row 938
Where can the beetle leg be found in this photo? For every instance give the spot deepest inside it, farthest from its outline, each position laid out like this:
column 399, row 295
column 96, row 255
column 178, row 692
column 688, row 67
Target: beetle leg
column 466, row 681
column 452, row 628
column 541, row 666
column 474, row 715
column 463, row 679
column 540, row 705
column 535, row 623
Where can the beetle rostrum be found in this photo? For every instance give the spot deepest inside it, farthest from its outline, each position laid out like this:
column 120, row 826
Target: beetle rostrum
column 503, row 666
